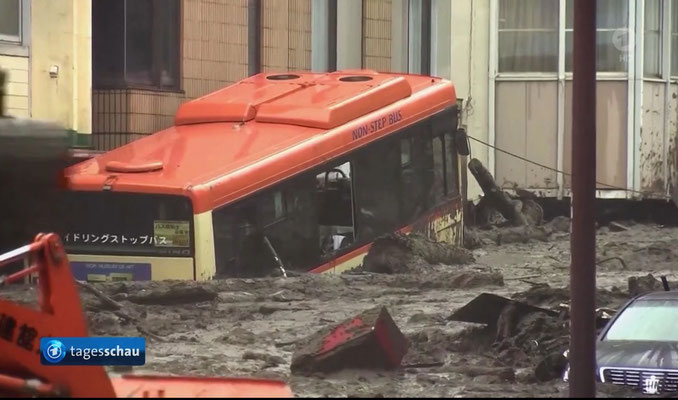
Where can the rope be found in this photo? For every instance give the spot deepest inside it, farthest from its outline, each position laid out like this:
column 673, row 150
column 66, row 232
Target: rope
column 559, row 171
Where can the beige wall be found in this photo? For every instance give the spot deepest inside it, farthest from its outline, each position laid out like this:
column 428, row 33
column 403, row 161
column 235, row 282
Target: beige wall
column 286, row 35
column 526, row 125
column 16, row 101
column 470, row 27
column 62, row 36
column 611, row 133
column 377, row 35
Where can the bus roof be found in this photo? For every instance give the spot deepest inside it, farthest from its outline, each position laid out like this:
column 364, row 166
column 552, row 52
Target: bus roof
column 256, row 132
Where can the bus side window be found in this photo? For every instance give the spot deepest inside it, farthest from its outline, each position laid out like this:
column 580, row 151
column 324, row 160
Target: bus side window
column 291, row 223
column 377, row 186
column 438, row 187
column 334, row 199
column 413, row 185
column 451, row 166
column 232, row 225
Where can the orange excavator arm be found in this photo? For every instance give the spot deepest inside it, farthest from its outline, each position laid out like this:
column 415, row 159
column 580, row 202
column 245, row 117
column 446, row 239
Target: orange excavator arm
column 59, row 314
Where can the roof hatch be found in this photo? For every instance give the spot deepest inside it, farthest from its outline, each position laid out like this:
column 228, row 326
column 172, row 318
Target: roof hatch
column 235, row 103
column 322, row 101
column 334, row 100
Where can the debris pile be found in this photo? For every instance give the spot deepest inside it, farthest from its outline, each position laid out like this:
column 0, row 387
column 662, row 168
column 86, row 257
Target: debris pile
column 398, row 253
column 369, row 340
column 503, row 218
column 531, row 330
column 643, row 284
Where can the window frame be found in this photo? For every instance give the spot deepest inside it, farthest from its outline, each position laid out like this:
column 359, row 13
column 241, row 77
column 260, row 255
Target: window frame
column 561, row 73
column 120, row 79
column 21, row 46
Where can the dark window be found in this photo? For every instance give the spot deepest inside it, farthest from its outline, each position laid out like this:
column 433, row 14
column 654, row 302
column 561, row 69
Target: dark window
column 285, row 217
column 406, row 152
column 438, row 188
column 444, row 129
column 135, row 43
column 334, row 202
column 10, row 20
column 127, row 224
column 377, row 186
column 416, row 178
column 451, row 166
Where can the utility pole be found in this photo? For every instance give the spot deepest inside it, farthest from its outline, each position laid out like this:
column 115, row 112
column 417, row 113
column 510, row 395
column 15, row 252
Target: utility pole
column 583, row 240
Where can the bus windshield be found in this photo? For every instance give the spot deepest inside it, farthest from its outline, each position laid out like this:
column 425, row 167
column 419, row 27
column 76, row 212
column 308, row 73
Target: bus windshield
column 127, row 224
column 647, row 320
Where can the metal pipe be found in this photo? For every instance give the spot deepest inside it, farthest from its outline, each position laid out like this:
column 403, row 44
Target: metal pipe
column 426, row 37
column 332, row 35
column 253, row 37
column 583, row 240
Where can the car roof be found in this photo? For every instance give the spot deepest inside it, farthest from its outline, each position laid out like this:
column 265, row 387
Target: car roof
column 663, row 295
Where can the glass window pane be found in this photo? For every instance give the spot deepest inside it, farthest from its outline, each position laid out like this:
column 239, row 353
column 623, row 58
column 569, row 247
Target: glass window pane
column 451, row 166
column 108, row 43
column 168, row 34
column 139, row 43
column 438, row 189
column 528, row 14
column 652, row 43
column 10, row 20
column 646, row 320
column 674, row 55
column 528, row 36
column 528, row 51
column 610, row 14
column 612, row 51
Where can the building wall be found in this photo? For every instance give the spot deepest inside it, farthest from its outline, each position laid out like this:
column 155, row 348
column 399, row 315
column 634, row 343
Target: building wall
column 62, row 36
column 16, row 100
column 286, row 35
column 376, row 40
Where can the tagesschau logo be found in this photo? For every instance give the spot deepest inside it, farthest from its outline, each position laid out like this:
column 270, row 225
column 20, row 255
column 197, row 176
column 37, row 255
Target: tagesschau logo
column 93, row 351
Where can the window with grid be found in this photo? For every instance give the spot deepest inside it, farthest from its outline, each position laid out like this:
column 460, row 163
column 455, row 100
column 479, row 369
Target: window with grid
column 528, row 36
column 674, row 38
column 612, row 35
column 135, row 43
column 652, row 46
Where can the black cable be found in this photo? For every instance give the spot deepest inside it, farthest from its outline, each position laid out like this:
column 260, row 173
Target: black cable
column 557, row 170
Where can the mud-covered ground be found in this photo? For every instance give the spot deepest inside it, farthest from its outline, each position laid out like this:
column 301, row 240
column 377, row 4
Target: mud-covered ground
column 248, row 327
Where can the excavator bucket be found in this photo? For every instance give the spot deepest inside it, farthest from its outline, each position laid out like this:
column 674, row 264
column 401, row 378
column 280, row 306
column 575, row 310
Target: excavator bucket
column 59, row 314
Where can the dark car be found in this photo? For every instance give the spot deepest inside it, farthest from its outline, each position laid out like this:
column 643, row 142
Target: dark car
column 639, row 346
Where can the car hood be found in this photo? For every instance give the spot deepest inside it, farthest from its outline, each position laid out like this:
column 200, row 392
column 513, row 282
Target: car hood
column 636, row 354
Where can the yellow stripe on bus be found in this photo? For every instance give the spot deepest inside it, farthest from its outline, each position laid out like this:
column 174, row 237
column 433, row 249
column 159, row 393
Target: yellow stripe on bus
column 205, row 260
column 161, row 267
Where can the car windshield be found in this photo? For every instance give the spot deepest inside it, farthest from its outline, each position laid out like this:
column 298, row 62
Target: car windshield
column 647, row 320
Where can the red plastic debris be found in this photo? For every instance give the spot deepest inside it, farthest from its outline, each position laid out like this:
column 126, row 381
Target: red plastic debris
column 370, row 340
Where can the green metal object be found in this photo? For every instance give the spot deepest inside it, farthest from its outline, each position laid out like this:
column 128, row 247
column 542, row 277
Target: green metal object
column 79, row 140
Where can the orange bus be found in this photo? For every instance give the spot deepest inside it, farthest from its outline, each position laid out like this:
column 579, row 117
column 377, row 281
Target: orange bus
column 300, row 171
